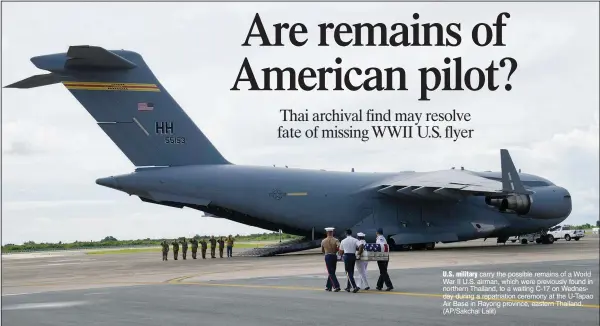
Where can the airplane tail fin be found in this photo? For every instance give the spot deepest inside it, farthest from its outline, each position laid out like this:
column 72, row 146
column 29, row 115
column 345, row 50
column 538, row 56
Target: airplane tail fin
column 511, row 182
column 128, row 102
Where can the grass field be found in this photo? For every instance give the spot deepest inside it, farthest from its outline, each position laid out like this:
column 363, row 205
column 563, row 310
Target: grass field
column 158, row 249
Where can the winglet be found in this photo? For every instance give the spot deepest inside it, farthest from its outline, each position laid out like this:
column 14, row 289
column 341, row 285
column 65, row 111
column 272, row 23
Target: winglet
column 511, row 182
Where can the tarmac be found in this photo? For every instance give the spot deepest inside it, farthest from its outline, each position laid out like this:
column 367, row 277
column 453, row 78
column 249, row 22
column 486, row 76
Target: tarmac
column 139, row 289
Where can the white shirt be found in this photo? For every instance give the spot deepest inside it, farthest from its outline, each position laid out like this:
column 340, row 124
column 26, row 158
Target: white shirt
column 349, row 245
column 380, row 240
column 360, row 242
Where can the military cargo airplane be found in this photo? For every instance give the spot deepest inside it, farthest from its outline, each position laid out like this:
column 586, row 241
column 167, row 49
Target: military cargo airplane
column 177, row 166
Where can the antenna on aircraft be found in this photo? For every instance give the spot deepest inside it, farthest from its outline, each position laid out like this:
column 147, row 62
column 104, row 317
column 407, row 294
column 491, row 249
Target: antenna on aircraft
column 352, row 169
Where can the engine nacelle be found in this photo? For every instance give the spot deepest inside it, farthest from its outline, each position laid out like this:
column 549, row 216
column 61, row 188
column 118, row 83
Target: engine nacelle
column 545, row 203
column 520, row 204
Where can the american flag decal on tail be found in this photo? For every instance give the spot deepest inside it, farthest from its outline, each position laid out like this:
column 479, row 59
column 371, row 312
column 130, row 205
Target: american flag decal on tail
column 145, row 106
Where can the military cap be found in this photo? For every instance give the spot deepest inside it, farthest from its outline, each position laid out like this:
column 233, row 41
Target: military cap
column 360, row 234
column 329, row 229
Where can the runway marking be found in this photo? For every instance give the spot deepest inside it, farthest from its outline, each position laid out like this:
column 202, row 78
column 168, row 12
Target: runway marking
column 305, row 288
column 46, row 305
column 96, row 293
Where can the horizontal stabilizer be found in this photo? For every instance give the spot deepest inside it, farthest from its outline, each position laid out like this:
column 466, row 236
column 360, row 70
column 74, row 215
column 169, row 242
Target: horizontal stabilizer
column 36, row 81
column 85, row 56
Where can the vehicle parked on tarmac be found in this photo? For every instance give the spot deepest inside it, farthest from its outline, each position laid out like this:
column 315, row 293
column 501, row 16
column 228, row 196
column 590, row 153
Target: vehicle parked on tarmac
column 566, row 232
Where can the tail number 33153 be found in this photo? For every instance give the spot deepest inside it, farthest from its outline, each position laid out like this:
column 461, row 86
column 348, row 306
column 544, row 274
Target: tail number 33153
column 174, row 140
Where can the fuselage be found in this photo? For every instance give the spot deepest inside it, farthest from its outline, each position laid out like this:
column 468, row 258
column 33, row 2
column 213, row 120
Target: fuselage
column 305, row 201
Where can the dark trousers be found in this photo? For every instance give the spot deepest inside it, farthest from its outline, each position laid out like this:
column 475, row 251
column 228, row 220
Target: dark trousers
column 221, row 252
column 229, row 251
column 203, row 253
column 194, row 251
column 212, row 252
column 184, row 254
column 349, row 262
column 175, row 254
column 165, row 254
column 331, row 265
column 384, row 277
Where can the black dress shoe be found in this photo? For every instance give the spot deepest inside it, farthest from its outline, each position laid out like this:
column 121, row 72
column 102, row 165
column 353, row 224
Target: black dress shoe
column 389, row 289
column 328, row 289
column 355, row 290
column 367, row 288
column 347, row 289
column 336, row 290
column 378, row 288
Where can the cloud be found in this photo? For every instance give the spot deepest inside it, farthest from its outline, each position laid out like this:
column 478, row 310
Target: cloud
column 53, row 151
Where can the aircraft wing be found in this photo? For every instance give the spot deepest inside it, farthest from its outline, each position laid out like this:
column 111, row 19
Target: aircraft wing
column 455, row 184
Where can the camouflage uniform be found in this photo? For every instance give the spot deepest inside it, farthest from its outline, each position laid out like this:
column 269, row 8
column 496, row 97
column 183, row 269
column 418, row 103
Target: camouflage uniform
column 194, row 243
column 213, row 247
column 165, row 249
column 184, row 246
column 175, row 249
column 221, row 246
column 203, row 246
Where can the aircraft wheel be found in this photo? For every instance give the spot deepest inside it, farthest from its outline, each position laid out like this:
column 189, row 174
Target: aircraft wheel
column 513, row 241
column 538, row 240
column 430, row 246
column 523, row 241
column 548, row 239
column 576, row 239
column 418, row 246
column 405, row 247
column 567, row 237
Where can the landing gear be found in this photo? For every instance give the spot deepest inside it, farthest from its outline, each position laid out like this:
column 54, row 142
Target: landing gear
column 421, row 246
column 547, row 239
column 524, row 241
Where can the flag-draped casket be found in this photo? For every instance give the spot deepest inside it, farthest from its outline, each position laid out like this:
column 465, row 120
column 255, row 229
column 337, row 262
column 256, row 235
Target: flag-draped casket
column 377, row 252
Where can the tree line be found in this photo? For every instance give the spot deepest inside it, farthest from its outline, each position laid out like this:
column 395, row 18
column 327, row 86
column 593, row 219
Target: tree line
column 110, row 241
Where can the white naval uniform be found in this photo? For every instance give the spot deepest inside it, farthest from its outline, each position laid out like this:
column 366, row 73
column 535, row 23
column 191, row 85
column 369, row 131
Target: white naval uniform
column 361, row 268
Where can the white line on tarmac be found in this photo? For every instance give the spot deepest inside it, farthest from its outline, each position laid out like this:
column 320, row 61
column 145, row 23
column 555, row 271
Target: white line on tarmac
column 46, row 305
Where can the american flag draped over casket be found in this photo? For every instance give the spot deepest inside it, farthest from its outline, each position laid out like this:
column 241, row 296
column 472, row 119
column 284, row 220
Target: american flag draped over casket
column 377, row 247
column 377, row 252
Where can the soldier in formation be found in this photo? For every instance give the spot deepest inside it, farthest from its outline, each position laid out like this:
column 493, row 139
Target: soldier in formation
column 229, row 246
column 184, row 247
column 221, row 246
column 175, row 249
column 213, row 246
column 194, row 243
column 165, row 249
column 203, row 248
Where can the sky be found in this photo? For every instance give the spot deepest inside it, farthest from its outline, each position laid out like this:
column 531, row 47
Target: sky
column 52, row 151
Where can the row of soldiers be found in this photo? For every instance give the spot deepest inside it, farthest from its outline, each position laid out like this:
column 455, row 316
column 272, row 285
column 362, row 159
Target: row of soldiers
column 203, row 246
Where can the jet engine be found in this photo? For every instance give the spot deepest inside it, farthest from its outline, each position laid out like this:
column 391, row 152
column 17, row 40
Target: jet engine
column 520, row 204
column 544, row 203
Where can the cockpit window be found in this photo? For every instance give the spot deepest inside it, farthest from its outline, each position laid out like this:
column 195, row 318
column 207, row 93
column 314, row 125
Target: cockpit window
column 536, row 183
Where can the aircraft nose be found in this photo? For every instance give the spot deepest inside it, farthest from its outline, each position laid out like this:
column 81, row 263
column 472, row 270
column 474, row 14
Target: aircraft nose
column 567, row 200
column 110, row 182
